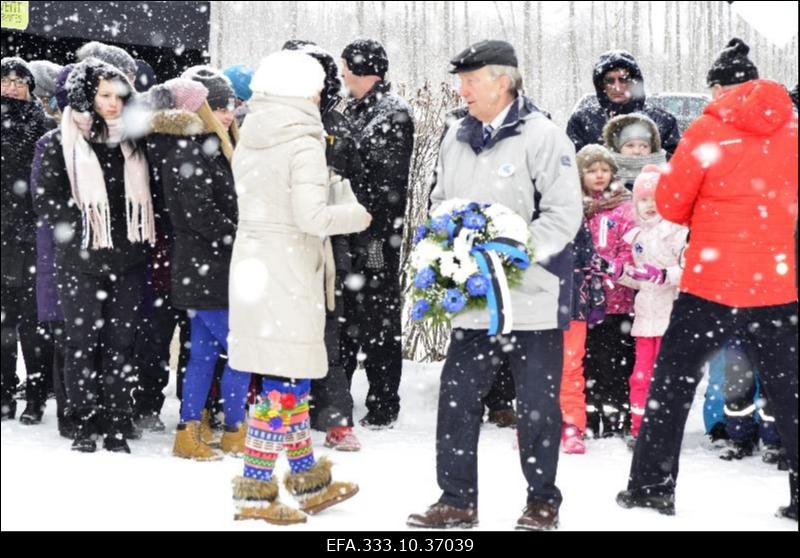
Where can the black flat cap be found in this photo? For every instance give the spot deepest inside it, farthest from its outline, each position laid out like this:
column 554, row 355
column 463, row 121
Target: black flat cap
column 483, row 54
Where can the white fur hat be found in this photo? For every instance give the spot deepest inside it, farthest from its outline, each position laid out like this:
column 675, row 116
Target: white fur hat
column 289, row 73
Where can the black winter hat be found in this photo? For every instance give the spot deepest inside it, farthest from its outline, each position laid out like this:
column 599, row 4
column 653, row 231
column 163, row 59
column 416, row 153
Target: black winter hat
column 84, row 79
column 297, row 44
column 732, row 66
column 16, row 65
column 220, row 91
column 366, row 57
column 145, row 76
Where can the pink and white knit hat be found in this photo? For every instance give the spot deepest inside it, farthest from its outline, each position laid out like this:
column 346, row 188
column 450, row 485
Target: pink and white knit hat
column 646, row 183
column 187, row 94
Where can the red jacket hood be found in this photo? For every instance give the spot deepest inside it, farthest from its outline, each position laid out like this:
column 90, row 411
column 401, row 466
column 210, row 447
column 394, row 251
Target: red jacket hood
column 759, row 106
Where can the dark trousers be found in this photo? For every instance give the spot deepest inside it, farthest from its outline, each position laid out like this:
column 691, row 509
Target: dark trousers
column 185, row 341
column 100, row 315
column 748, row 412
column 770, row 332
column 151, row 354
column 373, row 324
column 62, row 403
column 610, row 354
column 20, row 323
column 501, row 395
column 331, row 403
column 535, row 358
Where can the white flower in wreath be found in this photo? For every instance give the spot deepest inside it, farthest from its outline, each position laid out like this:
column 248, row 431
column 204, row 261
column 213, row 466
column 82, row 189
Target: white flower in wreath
column 467, row 269
column 496, row 211
column 425, row 253
column 459, row 270
column 448, row 264
column 513, row 227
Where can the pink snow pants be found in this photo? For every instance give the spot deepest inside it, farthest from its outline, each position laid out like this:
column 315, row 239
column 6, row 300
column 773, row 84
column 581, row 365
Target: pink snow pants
column 646, row 353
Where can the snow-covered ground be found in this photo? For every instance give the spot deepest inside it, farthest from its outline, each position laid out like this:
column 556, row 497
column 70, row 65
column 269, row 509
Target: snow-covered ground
column 47, row 486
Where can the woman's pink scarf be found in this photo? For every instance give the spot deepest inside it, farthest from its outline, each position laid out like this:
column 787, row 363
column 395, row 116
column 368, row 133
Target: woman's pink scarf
column 89, row 187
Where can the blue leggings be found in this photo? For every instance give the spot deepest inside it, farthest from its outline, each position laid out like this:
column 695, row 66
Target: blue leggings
column 714, row 406
column 209, row 330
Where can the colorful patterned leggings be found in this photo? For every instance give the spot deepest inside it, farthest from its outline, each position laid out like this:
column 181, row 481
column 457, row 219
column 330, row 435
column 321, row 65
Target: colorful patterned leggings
column 280, row 421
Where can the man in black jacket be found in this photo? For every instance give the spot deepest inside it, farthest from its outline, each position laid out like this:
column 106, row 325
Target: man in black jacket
column 23, row 122
column 384, row 132
column 620, row 90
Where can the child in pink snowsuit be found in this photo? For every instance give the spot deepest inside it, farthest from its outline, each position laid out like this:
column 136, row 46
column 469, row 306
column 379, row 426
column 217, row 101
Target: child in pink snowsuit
column 609, row 346
column 657, row 246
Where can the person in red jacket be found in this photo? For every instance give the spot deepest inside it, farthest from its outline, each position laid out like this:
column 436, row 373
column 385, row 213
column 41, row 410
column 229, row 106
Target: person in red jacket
column 733, row 182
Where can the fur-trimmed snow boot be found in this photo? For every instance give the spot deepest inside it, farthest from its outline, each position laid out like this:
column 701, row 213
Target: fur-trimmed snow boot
column 256, row 499
column 315, row 490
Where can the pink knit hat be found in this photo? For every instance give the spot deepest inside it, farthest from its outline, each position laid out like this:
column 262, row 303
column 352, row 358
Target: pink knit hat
column 187, row 94
column 645, row 184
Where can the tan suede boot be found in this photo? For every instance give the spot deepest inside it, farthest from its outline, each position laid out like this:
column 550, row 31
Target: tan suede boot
column 233, row 442
column 189, row 445
column 209, row 436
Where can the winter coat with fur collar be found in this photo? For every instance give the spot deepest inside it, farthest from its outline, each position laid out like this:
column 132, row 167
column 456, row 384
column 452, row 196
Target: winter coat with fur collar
column 200, row 201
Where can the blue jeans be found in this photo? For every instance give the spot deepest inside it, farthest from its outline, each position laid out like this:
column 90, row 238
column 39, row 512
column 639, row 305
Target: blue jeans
column 209, row 338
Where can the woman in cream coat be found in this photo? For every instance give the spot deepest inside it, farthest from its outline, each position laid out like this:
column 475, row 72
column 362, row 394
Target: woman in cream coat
column 281, row 282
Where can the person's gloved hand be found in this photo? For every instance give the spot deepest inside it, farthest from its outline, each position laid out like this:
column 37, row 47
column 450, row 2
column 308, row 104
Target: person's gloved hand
column 340, row 191
column 596, row 315
column 648, row 273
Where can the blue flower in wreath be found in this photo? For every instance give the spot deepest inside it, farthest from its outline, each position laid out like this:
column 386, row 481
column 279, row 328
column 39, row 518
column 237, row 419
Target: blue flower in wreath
column 420, row 308
column 474, row 221
column 425, row 278
column 420, row 234
column 454, row 300
column 477, row 285
column 439, row 224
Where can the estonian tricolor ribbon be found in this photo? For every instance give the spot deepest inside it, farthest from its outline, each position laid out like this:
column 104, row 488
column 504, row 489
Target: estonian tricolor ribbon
column 498, row 296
